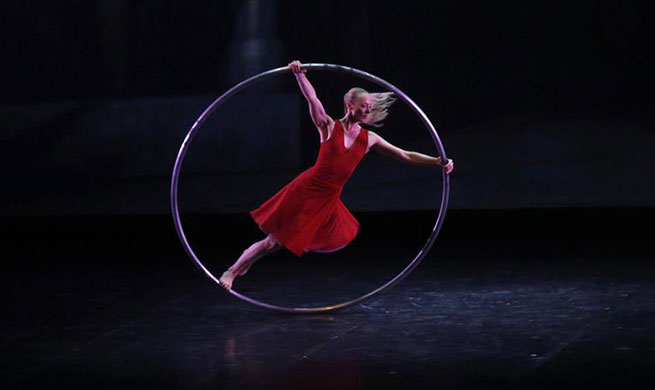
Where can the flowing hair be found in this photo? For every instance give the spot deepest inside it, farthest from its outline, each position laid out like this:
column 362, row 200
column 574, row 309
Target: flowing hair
column 380, row 103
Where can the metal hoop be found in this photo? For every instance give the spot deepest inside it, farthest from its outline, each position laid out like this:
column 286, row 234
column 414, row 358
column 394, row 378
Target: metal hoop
column 317, row 66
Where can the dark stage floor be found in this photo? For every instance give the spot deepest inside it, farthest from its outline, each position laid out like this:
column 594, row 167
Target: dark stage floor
column 524, row 299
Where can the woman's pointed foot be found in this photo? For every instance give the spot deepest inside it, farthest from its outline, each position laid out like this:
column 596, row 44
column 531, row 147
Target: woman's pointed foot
column 227, row 279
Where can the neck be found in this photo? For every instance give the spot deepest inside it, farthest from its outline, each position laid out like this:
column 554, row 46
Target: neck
column 348, row 124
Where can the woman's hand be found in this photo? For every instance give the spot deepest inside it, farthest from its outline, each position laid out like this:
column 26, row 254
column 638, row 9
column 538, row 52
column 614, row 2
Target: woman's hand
column 295, row 67
column 450, row 165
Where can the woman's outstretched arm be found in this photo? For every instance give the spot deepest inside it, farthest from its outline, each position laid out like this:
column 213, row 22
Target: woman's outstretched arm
column 316, row 110
column 383, row 147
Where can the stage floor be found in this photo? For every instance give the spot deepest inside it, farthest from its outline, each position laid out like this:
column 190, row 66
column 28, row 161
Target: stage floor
column 523, row 299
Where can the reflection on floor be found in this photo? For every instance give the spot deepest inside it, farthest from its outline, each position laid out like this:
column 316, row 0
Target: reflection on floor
column 504, row 299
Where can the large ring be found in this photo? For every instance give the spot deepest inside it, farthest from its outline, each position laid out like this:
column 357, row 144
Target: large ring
column 330, row 67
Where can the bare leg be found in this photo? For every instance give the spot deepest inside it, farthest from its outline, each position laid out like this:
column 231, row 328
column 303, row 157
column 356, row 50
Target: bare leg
column 247, row 258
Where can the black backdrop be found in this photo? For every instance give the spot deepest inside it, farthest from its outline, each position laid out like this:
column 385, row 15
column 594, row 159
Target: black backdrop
column 541, row 104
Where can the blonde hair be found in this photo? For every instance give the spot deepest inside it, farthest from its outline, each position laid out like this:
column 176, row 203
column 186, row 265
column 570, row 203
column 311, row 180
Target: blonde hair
column 380, row 102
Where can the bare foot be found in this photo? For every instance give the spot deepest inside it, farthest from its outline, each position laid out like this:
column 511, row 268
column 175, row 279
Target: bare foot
column 226, row 279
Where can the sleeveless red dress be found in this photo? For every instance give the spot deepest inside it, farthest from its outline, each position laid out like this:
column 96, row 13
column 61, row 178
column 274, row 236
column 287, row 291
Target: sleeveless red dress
column 307, row 214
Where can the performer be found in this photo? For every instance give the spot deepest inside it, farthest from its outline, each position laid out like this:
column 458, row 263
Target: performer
column 307, row 214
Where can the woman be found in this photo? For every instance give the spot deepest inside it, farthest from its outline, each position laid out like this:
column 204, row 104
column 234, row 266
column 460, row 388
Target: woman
column 307, row 214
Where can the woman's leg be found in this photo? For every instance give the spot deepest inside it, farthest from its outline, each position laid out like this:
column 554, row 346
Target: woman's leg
column 254, row 252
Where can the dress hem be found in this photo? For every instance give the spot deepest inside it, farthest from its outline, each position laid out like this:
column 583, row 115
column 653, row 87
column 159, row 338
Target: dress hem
column 303, row 250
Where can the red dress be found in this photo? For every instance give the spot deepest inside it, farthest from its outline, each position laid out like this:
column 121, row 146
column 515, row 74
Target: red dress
column 307, row 214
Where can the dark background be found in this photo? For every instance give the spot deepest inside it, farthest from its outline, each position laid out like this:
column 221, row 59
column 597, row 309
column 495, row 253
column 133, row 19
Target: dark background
column 541, row 104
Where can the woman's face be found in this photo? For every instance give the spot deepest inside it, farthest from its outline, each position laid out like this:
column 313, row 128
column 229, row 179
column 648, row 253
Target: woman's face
column 360, row 108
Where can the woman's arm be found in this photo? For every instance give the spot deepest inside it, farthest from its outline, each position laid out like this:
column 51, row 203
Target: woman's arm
column 316, row 110
column 383, row 147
